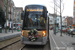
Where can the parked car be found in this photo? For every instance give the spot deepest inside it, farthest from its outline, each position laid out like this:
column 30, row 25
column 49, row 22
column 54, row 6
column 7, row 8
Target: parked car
column 73, row 32
column 51, row 28
column 69, row 31
column 64, row 29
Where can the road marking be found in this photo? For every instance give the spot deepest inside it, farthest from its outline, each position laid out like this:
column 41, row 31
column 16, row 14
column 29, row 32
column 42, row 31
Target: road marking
column 55, row 42
column 64, row 44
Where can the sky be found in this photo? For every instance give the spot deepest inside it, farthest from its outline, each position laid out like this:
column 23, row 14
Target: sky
column 67, row 11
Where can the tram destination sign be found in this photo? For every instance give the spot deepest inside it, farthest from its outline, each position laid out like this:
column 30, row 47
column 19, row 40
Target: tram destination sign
column 34, row 10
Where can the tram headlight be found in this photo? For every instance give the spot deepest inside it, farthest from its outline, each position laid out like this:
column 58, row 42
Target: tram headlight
column 44, row 33
column 22, row 32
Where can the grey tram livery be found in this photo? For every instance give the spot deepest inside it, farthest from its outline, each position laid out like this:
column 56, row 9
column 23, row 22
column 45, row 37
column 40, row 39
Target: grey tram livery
column 35, row 27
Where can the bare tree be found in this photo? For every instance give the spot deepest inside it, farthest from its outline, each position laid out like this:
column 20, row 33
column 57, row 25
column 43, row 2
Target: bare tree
column 6, row 12
column 58, row 5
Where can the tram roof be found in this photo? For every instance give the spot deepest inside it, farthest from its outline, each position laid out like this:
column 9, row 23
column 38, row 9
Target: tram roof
column 35, row 5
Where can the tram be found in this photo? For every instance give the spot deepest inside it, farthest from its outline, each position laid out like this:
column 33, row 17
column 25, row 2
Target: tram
column 35, row 27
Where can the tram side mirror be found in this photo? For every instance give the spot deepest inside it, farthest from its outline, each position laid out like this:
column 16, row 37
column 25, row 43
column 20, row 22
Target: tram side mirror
column 22, row 15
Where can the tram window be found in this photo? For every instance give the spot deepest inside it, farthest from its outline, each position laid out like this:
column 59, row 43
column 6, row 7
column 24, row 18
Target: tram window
column 34, row 21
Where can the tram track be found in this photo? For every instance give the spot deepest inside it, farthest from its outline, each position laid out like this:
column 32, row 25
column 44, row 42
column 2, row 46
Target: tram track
column 27, row 48
column 22, row 48
column 35, row 47
column 9, row 44
column 18, row 46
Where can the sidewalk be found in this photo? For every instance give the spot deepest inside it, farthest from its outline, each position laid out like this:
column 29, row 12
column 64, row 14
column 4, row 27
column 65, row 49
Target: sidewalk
column 4, row 36
column 61, row 43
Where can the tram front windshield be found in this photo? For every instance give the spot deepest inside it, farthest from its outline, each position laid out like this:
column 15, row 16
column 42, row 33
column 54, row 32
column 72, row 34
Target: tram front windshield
column 35, row 21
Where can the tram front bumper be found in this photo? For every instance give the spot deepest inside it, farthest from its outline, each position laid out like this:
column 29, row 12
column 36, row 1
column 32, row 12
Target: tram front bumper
column 39, row 41
column 33, row 43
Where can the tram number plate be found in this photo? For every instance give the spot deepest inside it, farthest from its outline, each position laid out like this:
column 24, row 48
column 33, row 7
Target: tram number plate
column 73, row 32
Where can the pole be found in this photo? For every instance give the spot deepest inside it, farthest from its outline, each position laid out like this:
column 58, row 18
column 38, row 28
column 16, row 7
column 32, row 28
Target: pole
column 55, row 12
column 12, row 25
column 6, row 14
column 10, row 14
column 12, row 20
column 61, row 18
column 54, row 16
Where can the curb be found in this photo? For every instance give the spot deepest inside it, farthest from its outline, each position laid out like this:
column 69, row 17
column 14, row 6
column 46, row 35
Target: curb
column 51, row 47
column 9, row 37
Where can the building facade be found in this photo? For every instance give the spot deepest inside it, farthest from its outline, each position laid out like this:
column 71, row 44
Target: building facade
column 58, row 21
column 74, row 9
column 17, row 17
column 8, row 9
column 10, row 13
column 64, row 21
column 53, row 19
column 1, row 4
column 74, row 13
column 69, row 21
column 51, row 22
